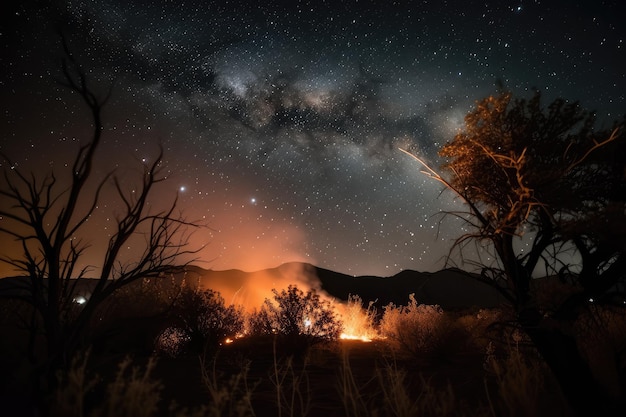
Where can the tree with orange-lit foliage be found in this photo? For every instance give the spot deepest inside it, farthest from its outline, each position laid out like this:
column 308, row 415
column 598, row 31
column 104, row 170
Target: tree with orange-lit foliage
column 47, row 219
column 545, row 192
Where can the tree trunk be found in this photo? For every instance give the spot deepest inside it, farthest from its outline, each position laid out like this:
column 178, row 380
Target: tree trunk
column 586, row 397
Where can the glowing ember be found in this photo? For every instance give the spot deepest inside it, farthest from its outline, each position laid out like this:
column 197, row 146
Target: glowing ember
column 230, row 340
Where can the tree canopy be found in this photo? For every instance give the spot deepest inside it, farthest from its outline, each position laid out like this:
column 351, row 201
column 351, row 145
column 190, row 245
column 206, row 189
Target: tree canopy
column 549, row 174
column 545, row 192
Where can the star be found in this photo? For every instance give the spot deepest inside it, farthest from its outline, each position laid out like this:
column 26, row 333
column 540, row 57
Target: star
column 308, row 109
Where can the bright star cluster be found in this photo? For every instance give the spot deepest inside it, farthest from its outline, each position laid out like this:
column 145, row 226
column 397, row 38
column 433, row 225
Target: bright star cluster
column 281, row 123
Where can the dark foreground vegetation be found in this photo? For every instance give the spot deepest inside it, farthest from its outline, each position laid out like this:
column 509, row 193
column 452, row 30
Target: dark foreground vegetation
column 157, row 348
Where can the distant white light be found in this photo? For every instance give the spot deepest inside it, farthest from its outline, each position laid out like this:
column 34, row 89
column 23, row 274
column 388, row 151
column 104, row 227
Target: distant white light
column 307, row 323
column 80, row 300
column 182, row 189
column 591, row 300
column 253, row 200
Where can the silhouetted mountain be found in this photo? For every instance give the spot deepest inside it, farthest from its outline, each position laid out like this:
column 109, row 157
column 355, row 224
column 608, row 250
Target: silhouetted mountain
column 449, row 288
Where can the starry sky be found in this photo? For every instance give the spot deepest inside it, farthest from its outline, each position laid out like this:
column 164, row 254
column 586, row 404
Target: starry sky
column 282, row 121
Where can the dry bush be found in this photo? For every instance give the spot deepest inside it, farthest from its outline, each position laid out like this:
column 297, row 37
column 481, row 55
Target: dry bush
column 523, row 385
column 297, row 319
column 392, row 392
column 477, row 327
column 201, row 320
column 358, row 322
column 354, row 402
column 134, row 392
column 230, row 396
column 73, row 388
column 292, row 385
column 420, row 330
column 601, row 336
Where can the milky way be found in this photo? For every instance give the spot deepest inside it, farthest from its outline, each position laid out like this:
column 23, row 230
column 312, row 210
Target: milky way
column 282, row 123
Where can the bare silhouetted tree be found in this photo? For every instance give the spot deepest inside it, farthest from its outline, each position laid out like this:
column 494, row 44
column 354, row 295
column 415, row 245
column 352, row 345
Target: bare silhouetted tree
column 48, row 217
column 549, row 179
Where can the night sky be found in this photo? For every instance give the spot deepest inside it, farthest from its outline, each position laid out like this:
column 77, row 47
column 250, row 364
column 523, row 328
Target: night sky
column 282, row 124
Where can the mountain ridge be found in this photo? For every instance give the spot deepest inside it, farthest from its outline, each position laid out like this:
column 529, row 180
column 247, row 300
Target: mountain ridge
column 450, row 288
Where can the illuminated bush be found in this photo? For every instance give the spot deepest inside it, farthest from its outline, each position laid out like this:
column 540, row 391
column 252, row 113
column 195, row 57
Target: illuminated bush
column 418, row 329
column 300, row 319
column 358, row 321
column 201, row 320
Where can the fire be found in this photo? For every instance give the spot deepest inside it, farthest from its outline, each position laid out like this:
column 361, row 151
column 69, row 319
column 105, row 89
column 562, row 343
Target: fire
column 358, row 322
column 230, row 340
column 362, row 338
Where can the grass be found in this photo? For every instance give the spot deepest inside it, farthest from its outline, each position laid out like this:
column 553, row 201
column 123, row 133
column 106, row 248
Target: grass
column 228, row 395
column 419, row 361
column 292, row 385
column 351, row 379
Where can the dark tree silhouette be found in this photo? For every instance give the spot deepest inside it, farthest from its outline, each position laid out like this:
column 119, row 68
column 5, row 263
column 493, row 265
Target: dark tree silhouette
column 546, row 176
column 48, row 218
column 299, row 319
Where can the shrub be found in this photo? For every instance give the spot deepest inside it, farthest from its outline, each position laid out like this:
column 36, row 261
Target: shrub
column 229, row 395
column 201, row 320
column 393, row 391
column 132, row 318
column 358, row 321
column 419, row 329
column 133, row 391
column 522, row 383
column 300, row 319
column 478, row 327
column 601, row 336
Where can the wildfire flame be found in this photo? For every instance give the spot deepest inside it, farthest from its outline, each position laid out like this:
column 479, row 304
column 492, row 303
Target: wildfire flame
column 358, row 322
column 362, row 338
column 230, row 340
